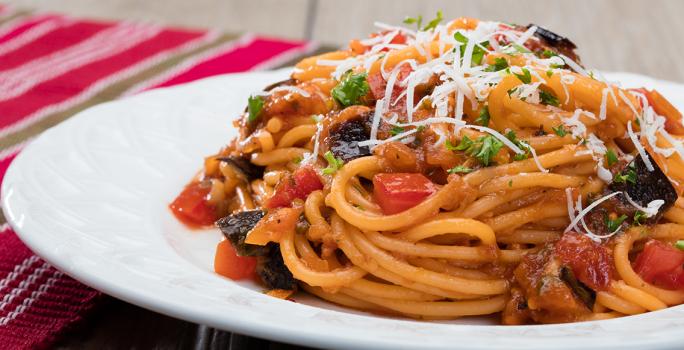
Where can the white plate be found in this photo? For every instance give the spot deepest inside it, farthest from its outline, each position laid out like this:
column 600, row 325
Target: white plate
column 90, row 196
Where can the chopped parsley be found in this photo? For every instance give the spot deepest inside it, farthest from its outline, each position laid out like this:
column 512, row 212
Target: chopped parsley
column 549, row 73
column 521, row 144
column 679, row 244
column 483, row 119
column 630, row 176
column 525, row 77
column 639, row 217
column 614, row 224
column 420, row 128
column 435, row 22
column 559, row 130
column 611, row 157
column 350, row 89
column 510, row 183
column 515, row 48
column 548, row 98
column 418, row 21
column 255, row 104
column 511, row 91
column 483, row 149
column 548, row 53
column 396, row 130
column 459, row 169
column 478, row 49
column 298, row 160
column 500, row 63
column 334, row 164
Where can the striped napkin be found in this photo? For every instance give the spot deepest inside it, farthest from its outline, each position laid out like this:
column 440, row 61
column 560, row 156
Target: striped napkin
column 53, row 66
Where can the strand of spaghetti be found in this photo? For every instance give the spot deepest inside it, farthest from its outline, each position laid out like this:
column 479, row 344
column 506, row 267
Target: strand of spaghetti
column 318, row 225
column 637, row 296
column 383, row 290
column 624, row 267
column 529, row 236
column 454, row 225
column 549, row 160
column 549, row 142
column 491, row 201
column 446, row 268
column 527, row 180
column 438, row 308
column 417, row 274
column 278, row 155
column 296, row 135
column 342, row 299
column 341, row 232
column 475, row 254
column 618, row 304
column 512, row 220
column 309, row 255
column 366, row 221
column 300, row 271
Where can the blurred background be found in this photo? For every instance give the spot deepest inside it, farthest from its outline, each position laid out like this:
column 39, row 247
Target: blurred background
column 637, row 36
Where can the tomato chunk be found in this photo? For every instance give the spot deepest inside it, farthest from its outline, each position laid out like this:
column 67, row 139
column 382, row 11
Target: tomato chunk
column 191, row 207
column 661, row 264
column 302, row 182
column 396, row 192
column 228, row 263
column 590, row 262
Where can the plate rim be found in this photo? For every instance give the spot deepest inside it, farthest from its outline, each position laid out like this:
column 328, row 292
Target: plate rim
column 254, row 328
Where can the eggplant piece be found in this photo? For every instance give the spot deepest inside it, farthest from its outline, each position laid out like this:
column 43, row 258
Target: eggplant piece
column 582, row 292
column 343, row 140
column 557, row 42
column 272, row 270
column 286, row 82
column 236, row 227
column 648, row 186
column 244, row 166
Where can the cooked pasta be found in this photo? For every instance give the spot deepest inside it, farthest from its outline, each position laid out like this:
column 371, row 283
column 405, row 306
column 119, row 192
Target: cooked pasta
column 458, row 169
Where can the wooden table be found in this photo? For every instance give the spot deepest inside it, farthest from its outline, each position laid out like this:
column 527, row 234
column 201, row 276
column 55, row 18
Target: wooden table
column 616, row 35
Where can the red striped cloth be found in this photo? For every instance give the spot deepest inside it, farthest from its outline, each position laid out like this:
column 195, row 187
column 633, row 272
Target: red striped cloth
column 52, row 66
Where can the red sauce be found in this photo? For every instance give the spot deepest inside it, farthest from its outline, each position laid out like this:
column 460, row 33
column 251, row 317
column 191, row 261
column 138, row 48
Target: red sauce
column 191, row 207
column 591, row 262
column 298, row 186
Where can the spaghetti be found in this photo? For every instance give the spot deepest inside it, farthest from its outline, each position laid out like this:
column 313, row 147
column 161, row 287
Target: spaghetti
column 464, row 168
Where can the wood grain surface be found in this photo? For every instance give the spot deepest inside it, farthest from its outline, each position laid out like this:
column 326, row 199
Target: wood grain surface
column 614, row 35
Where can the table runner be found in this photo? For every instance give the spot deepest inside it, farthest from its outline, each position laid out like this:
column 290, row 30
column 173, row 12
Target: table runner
column 51, row 67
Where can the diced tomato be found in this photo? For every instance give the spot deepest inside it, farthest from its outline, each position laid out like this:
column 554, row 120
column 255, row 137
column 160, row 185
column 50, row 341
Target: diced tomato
column 191, row 207
column 396, row 192
column 590, row 262
column 663, row 107
column 661, row 264
column 228, row 263
column 302, row 182
column 378, row 84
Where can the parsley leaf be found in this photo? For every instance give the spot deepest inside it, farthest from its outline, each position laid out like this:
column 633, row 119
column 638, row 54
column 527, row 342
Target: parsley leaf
column 549, row 73
column 639, row 216
column 418, row 21
column 500, row 63
column 350, row 89
column 611, row 157
column 478, row 50
column 483, row 149
column 614, row 224
column 334, row 164
column 433, row 24
column 548, row 53
column 525, row 77
column 559, row 130
column 679, row 244
column 420, row 128
column 548, row 98
column 483, row 119
column 630, row 176
column 459, row 169
column 521, row 144
column 514, row 48
column 396, row 130
column 254, row 106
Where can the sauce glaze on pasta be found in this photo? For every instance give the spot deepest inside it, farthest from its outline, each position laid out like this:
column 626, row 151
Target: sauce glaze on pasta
column 464, row 168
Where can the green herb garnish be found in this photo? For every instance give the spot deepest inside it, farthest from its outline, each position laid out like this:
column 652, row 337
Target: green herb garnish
column 459, row 169
column 478, row 50
column 548, row 98
column 483, row 119
column 639, row 217
column 525, row 77
column 255, row 104
column 614, row 224
column 500, row 63
column 559, row 130
column 679, row 244
column 548, row 53
column 418, row 21
column 483, row 149
column 521, row 144
column 396, row 130
column 435, row 22
column 611, row 157
column 350, row 89
column 630, row 176
column 334, row 164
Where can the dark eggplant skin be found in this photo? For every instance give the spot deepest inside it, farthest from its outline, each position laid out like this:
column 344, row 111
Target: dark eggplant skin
column 272, row 270
column 243, row 165
column 556, row 42
column 235, row 228
column 582, row 292
column 343, row 140
column 649, row 186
